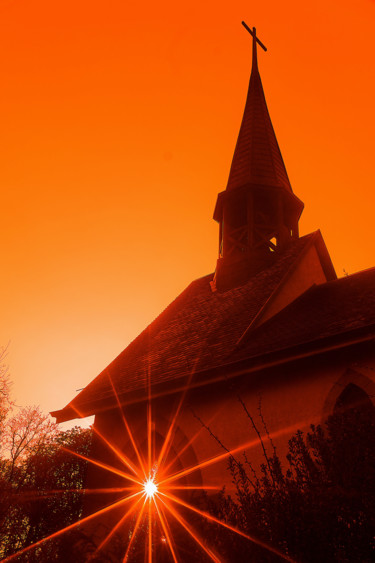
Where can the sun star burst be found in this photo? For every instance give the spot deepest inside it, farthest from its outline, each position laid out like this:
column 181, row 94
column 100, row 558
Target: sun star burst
column 150, row 488
column 160, row 506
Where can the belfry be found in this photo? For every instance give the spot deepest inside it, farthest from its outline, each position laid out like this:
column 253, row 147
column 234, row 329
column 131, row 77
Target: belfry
column 272, row 324
column 258, row 213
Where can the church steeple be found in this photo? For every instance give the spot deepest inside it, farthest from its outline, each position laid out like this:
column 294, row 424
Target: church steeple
column 258, row 212
column 257, row 158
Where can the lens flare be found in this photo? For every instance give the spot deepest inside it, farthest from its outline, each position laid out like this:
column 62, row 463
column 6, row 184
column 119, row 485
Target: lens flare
column 150, row 488
column 152, row 479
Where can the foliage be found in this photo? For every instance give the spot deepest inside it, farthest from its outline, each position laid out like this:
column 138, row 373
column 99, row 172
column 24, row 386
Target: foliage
column 25, row 434
column 42, row 491
column 38, row 481
column 41, row 482
column 322, row 508
column 5, row 401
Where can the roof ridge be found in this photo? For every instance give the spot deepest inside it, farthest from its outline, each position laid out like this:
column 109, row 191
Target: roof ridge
column 350, row 276
column 253, row 324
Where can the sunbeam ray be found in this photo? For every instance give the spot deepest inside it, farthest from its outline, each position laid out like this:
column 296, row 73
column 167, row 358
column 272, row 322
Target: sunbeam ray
column 72, row 526
column 149, row 410
column 127, row 427
column 229, row 527
column 134, row 533
column 189, row 443
column 115, row 450
column 167, row 441
column 30, row 496
column 164, row 525
column 193, row 488
column 149, row 531
column 104, row 466
column 219, row 457
column 117, row 525
column 192, row 533
column 149, row 437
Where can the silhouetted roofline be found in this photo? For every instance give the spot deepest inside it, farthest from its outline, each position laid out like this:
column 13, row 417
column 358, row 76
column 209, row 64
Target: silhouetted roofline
column 286, row 337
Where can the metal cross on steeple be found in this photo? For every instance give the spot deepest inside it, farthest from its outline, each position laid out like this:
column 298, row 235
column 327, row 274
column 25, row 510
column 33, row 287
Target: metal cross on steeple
column 253, row 33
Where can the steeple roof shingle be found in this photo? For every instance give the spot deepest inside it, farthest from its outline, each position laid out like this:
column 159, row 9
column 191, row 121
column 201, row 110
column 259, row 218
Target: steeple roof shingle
column 257, row 158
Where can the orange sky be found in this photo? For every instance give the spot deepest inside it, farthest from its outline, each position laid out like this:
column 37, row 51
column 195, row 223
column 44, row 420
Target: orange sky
column 118, row 125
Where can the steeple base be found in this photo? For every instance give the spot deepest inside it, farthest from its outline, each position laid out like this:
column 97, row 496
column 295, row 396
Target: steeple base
column 230, row 274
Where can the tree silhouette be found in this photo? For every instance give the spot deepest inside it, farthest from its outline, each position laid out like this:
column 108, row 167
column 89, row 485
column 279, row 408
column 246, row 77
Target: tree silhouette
column 42, row 493
column 322, row 507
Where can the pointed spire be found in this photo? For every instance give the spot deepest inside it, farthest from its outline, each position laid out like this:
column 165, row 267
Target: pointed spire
column 258, row 213
column 255, row 55
column 257, row 158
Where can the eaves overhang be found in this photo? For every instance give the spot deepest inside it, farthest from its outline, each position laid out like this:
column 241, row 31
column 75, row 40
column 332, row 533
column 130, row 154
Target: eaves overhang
column 225, row 371
column 292, row 201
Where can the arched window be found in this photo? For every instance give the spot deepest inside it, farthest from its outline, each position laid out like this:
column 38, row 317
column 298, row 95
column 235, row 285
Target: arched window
column 355, row 399
column 352, row 436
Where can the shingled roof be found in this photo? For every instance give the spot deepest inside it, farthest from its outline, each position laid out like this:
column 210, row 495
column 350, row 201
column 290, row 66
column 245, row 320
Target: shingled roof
column 201, row 331
column 197, row 331
column 324, row 312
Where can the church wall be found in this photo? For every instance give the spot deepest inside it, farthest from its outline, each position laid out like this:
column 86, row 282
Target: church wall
column 291, row 397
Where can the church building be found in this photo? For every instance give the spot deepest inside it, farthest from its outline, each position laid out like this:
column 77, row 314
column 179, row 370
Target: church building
column 272, row 332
